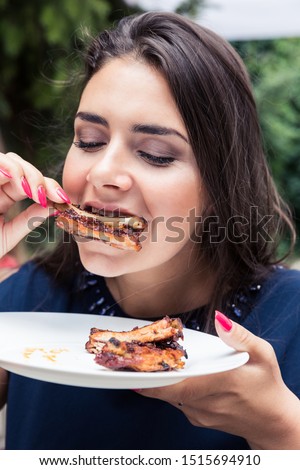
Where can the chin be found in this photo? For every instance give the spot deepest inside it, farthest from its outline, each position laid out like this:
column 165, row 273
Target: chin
column 107, row 261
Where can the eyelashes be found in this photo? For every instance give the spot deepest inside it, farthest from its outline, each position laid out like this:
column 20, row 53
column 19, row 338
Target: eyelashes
column 154, row 160
column 89, row 146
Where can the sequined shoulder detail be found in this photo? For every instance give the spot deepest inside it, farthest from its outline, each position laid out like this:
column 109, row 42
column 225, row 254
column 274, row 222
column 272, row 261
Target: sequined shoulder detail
column 237, row 306
column 240, row 303
column 99, row 300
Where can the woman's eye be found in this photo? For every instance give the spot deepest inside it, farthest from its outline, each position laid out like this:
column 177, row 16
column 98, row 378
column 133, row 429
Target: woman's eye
column 89, row 146
column 156, row 160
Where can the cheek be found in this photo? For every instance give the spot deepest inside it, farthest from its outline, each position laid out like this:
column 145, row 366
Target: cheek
column 173, row 210
column 177, row 197
column 73, row 178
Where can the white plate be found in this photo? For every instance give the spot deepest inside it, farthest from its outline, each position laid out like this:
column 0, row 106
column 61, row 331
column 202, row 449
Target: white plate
column 51, row 347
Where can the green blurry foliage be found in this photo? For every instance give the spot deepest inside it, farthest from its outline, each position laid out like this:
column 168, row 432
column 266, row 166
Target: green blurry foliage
column 190, row 7
column 40, row 62
column 41, row 43
column 40, row 50
column 274, row 67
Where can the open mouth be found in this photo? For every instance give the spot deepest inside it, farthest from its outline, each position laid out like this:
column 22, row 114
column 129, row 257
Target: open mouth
column 106, row 213
column 117, row 230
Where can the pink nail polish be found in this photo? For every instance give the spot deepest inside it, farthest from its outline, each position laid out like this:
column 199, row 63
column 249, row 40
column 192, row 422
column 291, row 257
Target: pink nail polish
column 42, row 196
column 63, row 195
column 55, row 213
column 225, row 322
column 5, row 173
column 26, row 187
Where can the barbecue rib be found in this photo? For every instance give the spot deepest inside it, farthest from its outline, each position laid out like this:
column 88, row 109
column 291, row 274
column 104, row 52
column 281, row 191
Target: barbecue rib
column 165, row 329
column 138, row 357
column 150, row 348
column 120, row 232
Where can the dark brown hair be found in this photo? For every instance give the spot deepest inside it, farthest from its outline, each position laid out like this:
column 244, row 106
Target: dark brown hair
column 212, row 90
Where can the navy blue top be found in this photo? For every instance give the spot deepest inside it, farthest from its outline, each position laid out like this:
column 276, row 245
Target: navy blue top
column 44, row 416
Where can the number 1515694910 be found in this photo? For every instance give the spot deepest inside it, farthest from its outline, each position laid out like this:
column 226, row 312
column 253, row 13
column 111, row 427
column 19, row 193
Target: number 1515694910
column 221, row 459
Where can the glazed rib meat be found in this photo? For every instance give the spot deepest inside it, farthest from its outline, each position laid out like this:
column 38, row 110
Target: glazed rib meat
column 165, row 329
column 150, row 348
column 120, row 232
column 139, row 357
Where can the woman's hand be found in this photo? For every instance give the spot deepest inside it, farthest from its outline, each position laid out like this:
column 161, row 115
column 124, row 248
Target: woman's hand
column 18, row 180
column 251, row 401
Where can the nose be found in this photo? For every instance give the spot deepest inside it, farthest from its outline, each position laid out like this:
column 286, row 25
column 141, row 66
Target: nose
column 111, row 170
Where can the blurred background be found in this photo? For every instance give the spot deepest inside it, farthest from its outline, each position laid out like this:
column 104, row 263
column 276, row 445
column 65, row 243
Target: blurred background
column 40, row 46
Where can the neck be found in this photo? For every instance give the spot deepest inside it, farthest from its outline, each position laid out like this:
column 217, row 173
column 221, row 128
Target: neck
column 155, row 293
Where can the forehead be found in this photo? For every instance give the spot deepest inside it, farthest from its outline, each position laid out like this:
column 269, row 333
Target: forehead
column 131, row 86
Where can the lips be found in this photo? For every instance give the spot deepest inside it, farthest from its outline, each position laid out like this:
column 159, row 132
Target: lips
column 106, row 210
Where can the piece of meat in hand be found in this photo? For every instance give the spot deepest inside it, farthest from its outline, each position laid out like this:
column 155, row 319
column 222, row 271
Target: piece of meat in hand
column 118, row 231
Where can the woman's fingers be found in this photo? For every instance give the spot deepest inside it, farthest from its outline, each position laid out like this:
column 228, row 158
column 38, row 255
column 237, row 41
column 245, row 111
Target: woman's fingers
column 13, row 231
column 54, row 191
column 234, row 335
column 5, row 175
column 241, row 339
column 20, row 179
column 188, row 390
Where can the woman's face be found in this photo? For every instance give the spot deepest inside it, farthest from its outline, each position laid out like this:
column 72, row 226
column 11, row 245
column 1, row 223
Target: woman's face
column 132, row 155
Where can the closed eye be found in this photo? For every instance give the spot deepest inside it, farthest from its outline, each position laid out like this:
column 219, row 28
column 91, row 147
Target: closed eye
column 156, row 160
column 89, row 146
column 151, row 159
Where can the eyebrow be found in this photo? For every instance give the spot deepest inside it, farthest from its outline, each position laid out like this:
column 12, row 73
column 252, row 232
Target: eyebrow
column 151, row 129
column 94, row 118
column 156, row 130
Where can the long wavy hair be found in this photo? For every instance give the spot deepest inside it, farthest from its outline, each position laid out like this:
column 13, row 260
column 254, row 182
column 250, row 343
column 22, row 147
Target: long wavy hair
column 246, row 217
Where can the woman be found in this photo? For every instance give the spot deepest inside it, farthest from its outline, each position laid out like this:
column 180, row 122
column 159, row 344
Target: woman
column 166, row 128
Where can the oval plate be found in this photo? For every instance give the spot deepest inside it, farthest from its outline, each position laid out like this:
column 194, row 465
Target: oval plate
column 51, row 347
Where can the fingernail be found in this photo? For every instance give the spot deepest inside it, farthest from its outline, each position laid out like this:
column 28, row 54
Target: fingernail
column 225, row 322
column 5, row 173
column 54, row 214
column 137, row 390
column 26, row 187
column 42, row 196
column 63, row 195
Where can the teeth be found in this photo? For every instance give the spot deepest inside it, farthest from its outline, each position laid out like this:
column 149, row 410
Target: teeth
column 93, row 210
column 104, row 213
column 116, row 213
